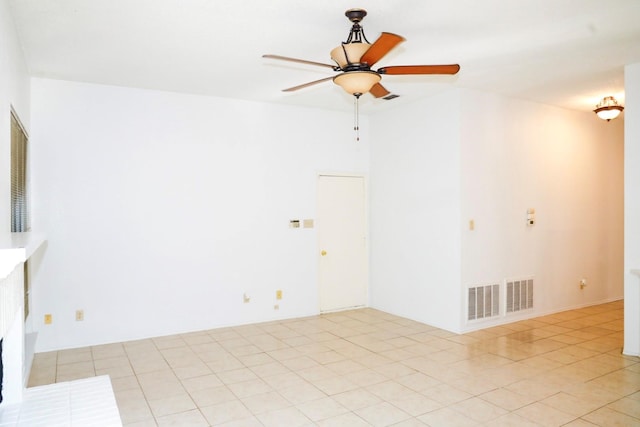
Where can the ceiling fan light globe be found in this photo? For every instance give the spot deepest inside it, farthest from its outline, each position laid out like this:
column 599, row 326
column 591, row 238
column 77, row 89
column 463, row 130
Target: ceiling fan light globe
column 357, row 81
column 354, row 53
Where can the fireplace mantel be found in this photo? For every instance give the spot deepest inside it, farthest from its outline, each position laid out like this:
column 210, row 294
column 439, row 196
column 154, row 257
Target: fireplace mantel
column 16, row 248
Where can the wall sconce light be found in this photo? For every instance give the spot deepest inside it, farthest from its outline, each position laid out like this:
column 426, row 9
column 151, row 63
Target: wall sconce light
column 608, row 108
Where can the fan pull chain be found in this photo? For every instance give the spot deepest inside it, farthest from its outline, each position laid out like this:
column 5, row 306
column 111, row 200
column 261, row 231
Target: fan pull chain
column 356, row 114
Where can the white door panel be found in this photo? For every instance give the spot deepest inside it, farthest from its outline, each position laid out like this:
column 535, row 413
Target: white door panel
column 342, row 251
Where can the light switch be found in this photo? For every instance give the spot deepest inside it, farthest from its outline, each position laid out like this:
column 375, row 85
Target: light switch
column 307, row 223
column 531, row 217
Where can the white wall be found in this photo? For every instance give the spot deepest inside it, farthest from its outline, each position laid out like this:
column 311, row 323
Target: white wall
column 162, row 209
column 415, row 211
column 14, row 91
column 567, row 165
column 488, row 158
column 632, row 209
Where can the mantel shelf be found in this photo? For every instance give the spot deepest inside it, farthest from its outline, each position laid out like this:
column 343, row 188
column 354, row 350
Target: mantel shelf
column 16, row 248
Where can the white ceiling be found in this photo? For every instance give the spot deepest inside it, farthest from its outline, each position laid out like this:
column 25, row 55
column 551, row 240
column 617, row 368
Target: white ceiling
column 568, row 53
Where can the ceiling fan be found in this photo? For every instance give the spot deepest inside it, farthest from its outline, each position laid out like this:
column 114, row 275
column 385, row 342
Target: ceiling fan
column 356, row 56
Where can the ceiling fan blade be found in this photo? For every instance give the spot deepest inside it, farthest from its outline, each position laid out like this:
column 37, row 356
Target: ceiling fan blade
column 379, row 91
column 302, row 86
column 420, row 69
column 381, row 47
column 300, row 61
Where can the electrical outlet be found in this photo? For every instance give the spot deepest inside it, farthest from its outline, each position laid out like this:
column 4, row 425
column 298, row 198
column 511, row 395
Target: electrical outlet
column 279, row 294
column 276, row 307
column 246, row 298
column 583, row 283
column 48, row 319
column 79, row 315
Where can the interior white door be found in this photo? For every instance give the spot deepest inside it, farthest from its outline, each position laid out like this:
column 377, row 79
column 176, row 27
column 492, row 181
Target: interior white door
column 342, row 248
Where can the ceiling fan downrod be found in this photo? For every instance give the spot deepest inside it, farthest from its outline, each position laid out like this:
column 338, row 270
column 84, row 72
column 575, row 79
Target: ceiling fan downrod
column 356, row 35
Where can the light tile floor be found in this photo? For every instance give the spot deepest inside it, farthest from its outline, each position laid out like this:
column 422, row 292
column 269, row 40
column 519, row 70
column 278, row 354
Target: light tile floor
column 369, row 368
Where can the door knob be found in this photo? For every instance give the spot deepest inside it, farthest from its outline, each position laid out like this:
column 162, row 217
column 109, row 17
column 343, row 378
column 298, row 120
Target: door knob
column 323, row 253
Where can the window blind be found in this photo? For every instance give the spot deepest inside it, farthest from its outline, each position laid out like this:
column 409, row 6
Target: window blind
column 19, row 191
